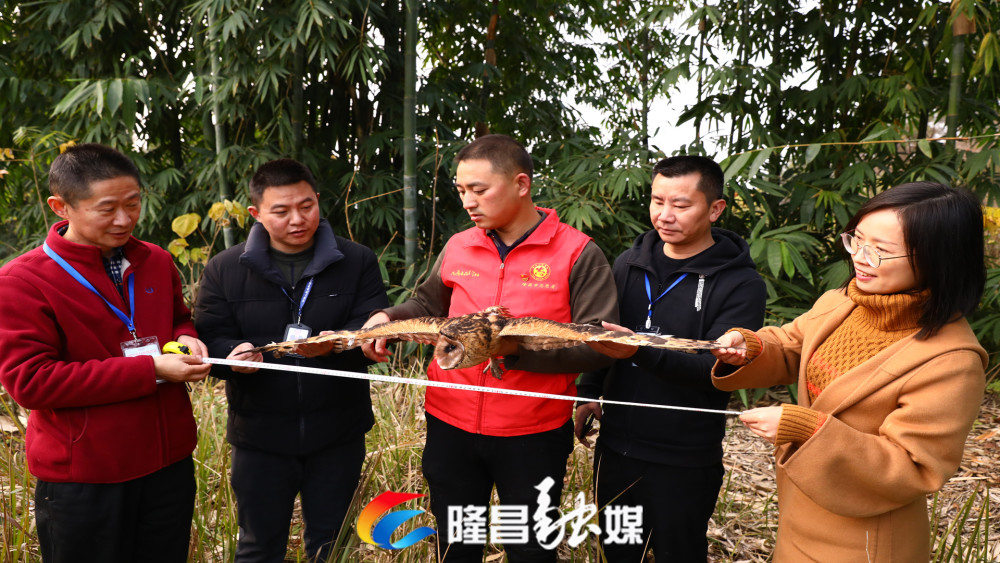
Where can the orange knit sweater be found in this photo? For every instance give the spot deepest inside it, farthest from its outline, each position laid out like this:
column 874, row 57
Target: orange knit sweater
column 876, row 323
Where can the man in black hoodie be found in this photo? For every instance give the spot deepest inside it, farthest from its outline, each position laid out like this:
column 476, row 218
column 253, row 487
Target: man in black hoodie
column 291, row 433
column 687, row 279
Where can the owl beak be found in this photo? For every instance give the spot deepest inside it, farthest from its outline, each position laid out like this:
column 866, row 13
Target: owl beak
column 449, row 353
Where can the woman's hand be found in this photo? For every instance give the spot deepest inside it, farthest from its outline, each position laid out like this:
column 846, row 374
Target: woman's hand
column 735, row 351
column 763, row 421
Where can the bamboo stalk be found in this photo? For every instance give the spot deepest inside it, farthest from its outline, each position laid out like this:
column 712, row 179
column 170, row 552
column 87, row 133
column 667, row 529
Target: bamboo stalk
column 960, row 27
column 409, row 136
column 228, row 237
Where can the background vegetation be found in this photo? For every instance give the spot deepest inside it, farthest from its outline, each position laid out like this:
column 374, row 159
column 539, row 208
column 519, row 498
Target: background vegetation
column 812, row 107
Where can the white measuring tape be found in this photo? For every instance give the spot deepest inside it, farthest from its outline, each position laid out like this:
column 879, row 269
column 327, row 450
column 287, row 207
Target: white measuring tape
column 445, row 385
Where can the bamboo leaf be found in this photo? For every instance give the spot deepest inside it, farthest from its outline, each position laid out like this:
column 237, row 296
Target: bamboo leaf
column 72, row 100
column 759, row 161
column 801, row 266
column 811, row 152
column 878, row 133
column 735, row 166
column 128, row 111
column 786, row 260
column 114, row 98
column 774, row 257
column 925, row 147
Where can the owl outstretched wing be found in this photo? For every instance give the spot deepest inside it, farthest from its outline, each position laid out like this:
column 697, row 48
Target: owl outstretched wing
column 343, row 340
column 424, row 330
column 420, row 329
column 534, row 333
column 541, row 334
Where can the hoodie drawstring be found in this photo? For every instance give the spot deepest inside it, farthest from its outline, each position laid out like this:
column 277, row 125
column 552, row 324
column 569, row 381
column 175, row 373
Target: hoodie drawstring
column 701, row 288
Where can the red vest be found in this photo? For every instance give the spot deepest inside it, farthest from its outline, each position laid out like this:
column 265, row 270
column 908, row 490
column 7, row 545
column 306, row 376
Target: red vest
column 533, row 281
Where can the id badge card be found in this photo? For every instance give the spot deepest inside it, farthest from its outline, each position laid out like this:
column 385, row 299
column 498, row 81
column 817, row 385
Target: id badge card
column 652, row 330
column 148, row 346
column 297, row 331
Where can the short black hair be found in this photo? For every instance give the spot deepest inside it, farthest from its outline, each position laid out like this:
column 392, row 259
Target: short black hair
column 78, row 166
column 506, row 155
column 710, row 173
column 943, row 230
column 280, row 172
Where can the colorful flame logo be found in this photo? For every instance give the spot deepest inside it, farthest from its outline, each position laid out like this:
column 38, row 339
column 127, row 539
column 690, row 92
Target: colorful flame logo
column 376, row 524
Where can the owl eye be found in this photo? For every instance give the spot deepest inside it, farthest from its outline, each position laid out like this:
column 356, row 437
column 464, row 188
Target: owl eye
column 450, row 348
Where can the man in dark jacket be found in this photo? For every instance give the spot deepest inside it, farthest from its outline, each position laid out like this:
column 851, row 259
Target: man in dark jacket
column 290, row 433
column 687, row 279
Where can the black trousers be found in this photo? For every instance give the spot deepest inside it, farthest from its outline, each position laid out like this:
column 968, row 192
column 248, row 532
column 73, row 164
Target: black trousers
column 145, row 519
column 677, row 503
column 265, row 486
column 461, row 469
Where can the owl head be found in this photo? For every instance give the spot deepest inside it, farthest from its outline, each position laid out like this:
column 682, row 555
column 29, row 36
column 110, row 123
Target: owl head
column 450, row 353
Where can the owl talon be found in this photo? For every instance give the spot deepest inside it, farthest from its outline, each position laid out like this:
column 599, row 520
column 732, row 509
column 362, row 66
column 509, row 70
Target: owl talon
column 494, row 368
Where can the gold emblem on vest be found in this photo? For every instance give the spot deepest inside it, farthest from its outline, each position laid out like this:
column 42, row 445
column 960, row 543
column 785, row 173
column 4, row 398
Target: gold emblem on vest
column 540, row 271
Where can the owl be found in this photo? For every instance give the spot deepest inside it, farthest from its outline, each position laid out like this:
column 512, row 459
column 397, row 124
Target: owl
column 469, row 340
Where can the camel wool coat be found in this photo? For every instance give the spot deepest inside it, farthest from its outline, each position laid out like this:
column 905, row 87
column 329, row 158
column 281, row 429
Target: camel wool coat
column 895, row 431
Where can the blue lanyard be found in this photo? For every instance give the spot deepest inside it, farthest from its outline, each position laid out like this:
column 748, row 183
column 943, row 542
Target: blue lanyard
column 129, row 319
column 302, row 302
column 649, row 295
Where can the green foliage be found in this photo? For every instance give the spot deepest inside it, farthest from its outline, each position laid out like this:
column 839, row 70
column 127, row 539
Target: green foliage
column 821, row 106
column 811, row 109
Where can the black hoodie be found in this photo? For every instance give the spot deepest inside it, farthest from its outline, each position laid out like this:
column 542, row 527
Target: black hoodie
column 721, row 290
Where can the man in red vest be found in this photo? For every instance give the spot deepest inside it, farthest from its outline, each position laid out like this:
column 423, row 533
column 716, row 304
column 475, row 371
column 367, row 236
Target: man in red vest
column 519, row 256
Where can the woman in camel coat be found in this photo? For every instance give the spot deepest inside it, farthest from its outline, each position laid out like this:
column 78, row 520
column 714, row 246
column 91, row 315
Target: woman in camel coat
column 890, row 379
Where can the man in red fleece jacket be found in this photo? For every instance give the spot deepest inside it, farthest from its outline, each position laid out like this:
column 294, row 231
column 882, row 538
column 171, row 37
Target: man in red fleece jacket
column 82, row 322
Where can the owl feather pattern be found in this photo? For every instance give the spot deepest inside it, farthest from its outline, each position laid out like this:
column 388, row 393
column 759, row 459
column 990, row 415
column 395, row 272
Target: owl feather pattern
column 475, row 338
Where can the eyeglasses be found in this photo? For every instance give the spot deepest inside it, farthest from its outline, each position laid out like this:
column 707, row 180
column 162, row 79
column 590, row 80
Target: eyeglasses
column 871, row 256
